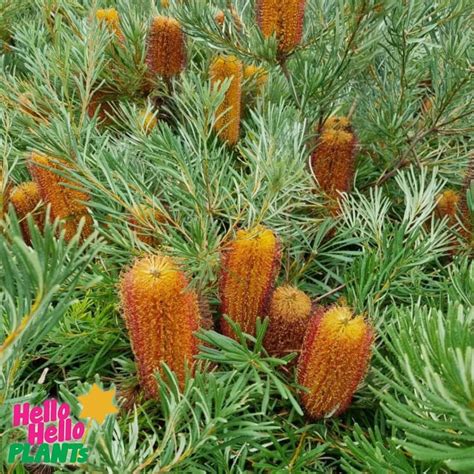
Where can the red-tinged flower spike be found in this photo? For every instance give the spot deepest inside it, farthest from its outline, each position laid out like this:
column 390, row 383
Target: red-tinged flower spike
column 66, row 201
column 289, row 313
column 333, row 160
column 166, row 53
column 249, row 266
column 26, row 200
column 110, row 17
column 284, row 19
column 147, row 121
column 228, row 112
column 161, row 314
column 334, row 359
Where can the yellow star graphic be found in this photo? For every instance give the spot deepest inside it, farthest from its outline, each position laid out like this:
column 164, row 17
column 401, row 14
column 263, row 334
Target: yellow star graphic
column 97, row 404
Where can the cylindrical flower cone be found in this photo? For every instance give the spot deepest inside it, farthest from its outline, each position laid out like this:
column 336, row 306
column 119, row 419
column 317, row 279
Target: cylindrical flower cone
column 166, row 51
column 284, row 19
column 228, row 112
column 26, row 200
column 448, row 206
column 289, row 314
column 249, row 266
column 333, row 160
column 334, row 359
column 161, row 314
column 110, row 17
column 66, row 202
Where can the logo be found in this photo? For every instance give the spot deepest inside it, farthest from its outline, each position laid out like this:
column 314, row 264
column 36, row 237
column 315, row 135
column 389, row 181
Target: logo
column 52, row 435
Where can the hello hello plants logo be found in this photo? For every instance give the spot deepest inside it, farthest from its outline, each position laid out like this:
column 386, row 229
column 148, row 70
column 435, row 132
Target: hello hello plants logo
column 52, row 435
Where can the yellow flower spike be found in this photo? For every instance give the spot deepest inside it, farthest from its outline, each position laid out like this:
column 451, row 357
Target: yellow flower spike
column 66, row 202
column 284, row 19
column 110, row 17
column 26, row 199
column 228, row 112
column 249, row 266
column 147, row 120
column 161, row 314
column 334, row 359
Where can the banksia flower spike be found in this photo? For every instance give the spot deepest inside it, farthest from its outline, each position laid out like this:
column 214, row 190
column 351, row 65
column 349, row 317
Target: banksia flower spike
column 66, row 202
column 333, row 160
column 161, row 314
column 284, row 19
column 228, row 112
column 249, row 266
column 334, row 359
column 448, row 206
column 147, row 120
column 26, row 199
column 110, row 17
column 166, row 52
column 289, row 313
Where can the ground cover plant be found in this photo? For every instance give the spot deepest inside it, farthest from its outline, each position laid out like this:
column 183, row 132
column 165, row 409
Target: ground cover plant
column 250, row 221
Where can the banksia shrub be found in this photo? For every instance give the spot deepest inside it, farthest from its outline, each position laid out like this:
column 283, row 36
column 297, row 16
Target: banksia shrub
column 166, row 50
column 284, row 19
column 289, row 313
column 26, row 199
column 249, row 266
column 110, row 17
column 66, row 201
column 334, row 359
column 333, row 160
column 228, row 112
column 161, row 314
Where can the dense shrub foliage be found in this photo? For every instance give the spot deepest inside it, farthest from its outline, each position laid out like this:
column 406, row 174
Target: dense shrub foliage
column 253, row 218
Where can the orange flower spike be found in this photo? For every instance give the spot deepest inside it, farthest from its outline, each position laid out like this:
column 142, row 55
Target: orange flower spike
column 289, row 313
column 285, row 19
column 448, row 205
column 66, row 202
column 334, row 359
column 161, row 314
column 249, row 266
column 333, row 160
column 26, row 199
column 111, row 18
column 228, row 112
column 166, row 52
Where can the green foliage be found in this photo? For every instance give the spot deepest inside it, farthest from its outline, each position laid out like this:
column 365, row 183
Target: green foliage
column 401, row 71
